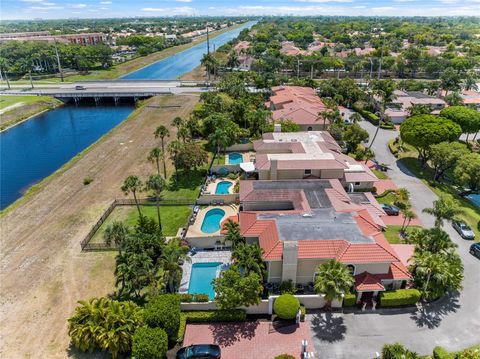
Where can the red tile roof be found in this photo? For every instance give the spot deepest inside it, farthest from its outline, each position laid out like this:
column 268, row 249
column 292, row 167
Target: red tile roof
column 368, row 282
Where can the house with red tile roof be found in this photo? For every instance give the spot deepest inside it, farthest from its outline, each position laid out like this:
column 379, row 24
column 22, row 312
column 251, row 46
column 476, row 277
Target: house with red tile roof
column 312, row 154
column 301, row 224
column 398, row 111
column 298, row 104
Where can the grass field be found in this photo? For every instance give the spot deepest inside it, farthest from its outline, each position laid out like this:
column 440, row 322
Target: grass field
column 392, row 233
column 6, row 101
column 380, row 174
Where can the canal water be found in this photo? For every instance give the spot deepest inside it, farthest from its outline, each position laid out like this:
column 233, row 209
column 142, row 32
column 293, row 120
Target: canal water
column 174, row 66
column 36, row 148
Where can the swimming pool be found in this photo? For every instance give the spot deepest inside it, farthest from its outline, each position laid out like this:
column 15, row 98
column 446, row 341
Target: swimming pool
column 222, row 187
column 211, row 222
column 201, row 278
column 235, row 158
column 475, row 198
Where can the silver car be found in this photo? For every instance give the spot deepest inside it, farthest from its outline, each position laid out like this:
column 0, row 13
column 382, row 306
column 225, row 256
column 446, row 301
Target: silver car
column 463, row 229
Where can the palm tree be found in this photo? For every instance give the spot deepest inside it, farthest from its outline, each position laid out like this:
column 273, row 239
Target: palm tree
column 183, row 133
column 330, row 113
column 132, row 184
column 355, row 117
column 233, row 60
column 209, row 62
column 233, row 233
column 132, row 273
column 397, row 351
column 156, row 184
column 408, row 216
column 4, row 65
column 174, row 148
column 219, row 139
column 27, row 67
column 117, row 233
column 170, row 262
column 434, row 240
column 154, row 157
column 177, row 122
column 250, row 259
column 333, row 279
column 443, row 209
column 402, row 195
column 162, row 132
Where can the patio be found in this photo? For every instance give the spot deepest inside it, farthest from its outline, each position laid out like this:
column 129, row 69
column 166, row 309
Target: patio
column 211, row 185
column 195, row 229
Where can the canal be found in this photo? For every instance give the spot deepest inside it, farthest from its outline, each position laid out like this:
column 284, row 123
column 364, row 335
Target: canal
column 36, row 148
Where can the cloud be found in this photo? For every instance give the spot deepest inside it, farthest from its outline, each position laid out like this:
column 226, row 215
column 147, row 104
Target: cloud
column 79, row 6
column 153, row 9
column 181, row 10
column 324, row 1
column 183, row 0
column 105, row 2
column 31, row 1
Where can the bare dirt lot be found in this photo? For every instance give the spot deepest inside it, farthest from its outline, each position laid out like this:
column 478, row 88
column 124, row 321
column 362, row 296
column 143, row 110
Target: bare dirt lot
column 43, row 273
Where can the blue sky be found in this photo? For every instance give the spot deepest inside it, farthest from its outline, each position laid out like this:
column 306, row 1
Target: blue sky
column 53, row 9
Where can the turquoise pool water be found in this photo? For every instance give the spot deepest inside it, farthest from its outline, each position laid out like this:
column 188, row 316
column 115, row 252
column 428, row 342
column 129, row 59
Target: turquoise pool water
column 222, row 187
column 211, row 222
column 235, row 158
column 201, row 278
column 475, row 198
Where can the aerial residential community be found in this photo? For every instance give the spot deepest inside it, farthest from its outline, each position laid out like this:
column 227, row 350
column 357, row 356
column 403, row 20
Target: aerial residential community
column 271, row 180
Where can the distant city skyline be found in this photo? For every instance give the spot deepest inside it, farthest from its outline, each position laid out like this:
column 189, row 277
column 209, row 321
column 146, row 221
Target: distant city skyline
column 62, row 9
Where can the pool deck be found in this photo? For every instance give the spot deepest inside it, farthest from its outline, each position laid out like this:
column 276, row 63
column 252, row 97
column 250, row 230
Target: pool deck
column 223, row 256
column 247, row 157
column 195, row 229
column 212, row 186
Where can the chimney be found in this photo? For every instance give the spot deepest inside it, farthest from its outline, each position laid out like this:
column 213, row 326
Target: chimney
column 290, row 261
column 277, row 127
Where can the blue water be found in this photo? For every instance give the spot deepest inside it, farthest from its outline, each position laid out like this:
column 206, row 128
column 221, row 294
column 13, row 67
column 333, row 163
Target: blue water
column 185, row 61
column 475, row 198
column 201, row 278
column 222, row 187
column 211, row 222
column 235, row 158
column 36, row 148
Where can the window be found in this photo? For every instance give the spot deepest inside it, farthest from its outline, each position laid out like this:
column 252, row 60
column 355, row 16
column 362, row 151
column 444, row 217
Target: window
column 308, row 172
column 357, row 183
column 309, row 128
column 351, row 268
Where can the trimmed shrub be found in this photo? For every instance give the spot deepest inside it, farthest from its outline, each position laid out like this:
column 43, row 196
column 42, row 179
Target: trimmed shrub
column 287, row 287
column 349, row 300
column 87, row 180
column 399, row 297
column 164, row 311
column 182, row 327
column 149, row 343
column 235, row 315
column 201, row 298
column 392, row 147
column 189, row 298
column 286, row 306
column 441, row 353
column 303, row 311
column 185, row 297
column 284, row 356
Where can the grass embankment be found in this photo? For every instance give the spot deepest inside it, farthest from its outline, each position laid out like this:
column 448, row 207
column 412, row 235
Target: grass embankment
column 14, row 109
column 126, row 67
column 408, row 159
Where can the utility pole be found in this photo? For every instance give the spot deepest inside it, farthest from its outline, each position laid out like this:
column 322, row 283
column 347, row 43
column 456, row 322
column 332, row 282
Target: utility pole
column 208, row 42
column 381, row 59
column 298, row 67
column 371, row 67
column 58, row 59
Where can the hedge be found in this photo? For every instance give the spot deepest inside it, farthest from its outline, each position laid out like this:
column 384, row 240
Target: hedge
column 149, row 343
column 393, row 149
column 399, row 297
column 369, row 116
column 349, row 300
column 441, row 353
column 195, row 298
column 284, row 356
column 286, row 306
column 163, row 311
column 234, row 315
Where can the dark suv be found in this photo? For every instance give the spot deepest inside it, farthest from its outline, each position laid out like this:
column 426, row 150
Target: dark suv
column 197, row 351
column 475, row 250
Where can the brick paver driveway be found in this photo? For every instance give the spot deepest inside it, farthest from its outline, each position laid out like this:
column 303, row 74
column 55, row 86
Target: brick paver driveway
column 247, row 340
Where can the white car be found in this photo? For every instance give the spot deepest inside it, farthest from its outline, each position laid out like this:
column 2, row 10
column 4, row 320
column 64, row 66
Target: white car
column 463, row 229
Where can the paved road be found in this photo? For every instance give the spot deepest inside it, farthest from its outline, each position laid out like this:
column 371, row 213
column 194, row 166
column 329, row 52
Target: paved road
column 452, row 322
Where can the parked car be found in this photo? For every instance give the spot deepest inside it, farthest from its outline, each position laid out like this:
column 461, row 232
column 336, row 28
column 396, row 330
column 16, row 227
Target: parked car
column 205, row 351
column 390, row 210
column 80, row 87
column 463, row 229
column 475, row 250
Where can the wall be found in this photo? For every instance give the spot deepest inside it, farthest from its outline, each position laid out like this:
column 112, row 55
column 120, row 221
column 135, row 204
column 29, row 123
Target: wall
column 373, row 268
column 275, row 271
column 306, row 269
column 314, row 127
column 241, row 147
column 267, row 206
column 331, row 173
column 204, row 242
column 226, row 198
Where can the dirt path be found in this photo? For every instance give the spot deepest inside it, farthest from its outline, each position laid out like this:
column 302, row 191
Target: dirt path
column 43, row 273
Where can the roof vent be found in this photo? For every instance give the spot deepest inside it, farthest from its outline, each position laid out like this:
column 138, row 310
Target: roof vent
column 307, row 215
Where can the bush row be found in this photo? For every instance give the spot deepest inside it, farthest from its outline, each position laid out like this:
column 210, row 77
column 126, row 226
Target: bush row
column 399, row 297
column 369, row 116
column 163, row 311
column 392, row 147
column 349, row 300
column 195, row 298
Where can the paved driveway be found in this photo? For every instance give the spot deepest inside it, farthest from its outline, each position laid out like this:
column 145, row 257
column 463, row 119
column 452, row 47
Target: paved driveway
column 452, row 322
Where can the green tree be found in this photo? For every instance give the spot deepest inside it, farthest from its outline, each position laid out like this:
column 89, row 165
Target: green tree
column 218, row 140
column 249, row 257
column 434, row 240
column 235, row 289
column 4, row 66
column 466, row 172
column 117, row 233
column 162, row 132
column 133, row 272
column 132, row 184
column 330, row 114
column 154, row 157
column 163, row 311
column 174, row 148
column 450, row 80
column 191, row 156
column 26, row 66
column 149, row 343
column 287, row 126
column 177, row 122
column 443, row 209
column 444, row 156
column 233, row 234
column 467, row 118
column 209, row 61
column 333, row 280
column 426, row 130
column 156, row 184
column 454, row 99
column 419, row 109
column 104, row 324
column 172, row 253
column 408, row 216
column 353, row 136
column 397, row 351
column 470, row 81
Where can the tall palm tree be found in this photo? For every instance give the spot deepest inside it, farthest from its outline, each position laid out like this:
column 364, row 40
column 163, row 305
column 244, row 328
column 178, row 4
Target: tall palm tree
column 250, row 259
column 355, row 117
column 233, row 233
column 174, row 148
column 133, row 184
column 172, row 253
column 219, row 139
column 4, row 65
column 408, row 216
column 183, row 133
column 443, row 209
column 233, row 60
column 209, row 62
column 402, row 195
column 117, row 233
column 156, row 184
column 162, row 132
column 333, row 279
column 154, row 157
column 330, row 112
column 26, row 66
column 132, row 273
column 177, row 122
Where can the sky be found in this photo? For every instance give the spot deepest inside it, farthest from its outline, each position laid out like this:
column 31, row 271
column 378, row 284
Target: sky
column 58, row 9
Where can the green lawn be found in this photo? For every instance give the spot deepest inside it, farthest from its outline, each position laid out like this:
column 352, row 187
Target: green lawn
column 188, row 186
column 387, row 199
column 6, row 101
column 380, row 174
column 392, row 232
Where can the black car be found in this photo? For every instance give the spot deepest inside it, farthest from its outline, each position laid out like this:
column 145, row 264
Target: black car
column 390, row 210
column 475, row 250
column 205, row 351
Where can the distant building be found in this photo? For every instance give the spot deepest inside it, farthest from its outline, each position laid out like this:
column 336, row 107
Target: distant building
column 398, row 111
column 472, row 98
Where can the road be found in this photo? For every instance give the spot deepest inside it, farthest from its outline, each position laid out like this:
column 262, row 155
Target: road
column 452, row 322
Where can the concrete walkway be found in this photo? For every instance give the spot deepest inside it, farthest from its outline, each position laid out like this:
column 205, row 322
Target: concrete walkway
column 452, row 322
